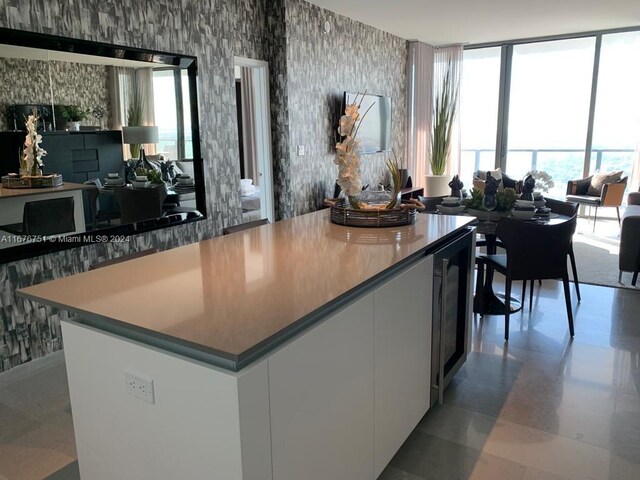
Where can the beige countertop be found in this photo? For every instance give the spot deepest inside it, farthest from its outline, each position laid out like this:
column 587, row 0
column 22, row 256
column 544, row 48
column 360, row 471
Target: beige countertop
column 19, row 192
column 231, row 297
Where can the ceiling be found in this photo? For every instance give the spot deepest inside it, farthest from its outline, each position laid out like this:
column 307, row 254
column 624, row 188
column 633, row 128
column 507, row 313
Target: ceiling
column 446, row 22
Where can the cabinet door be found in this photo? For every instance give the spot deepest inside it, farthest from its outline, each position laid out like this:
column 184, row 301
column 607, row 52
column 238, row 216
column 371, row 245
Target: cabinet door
column 59, row 159
column 321, row 400
column 402, row 358
column 107, row 146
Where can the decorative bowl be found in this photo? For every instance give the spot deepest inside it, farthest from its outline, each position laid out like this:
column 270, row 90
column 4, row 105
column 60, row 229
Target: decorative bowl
column 140, row 184
column 114, row 181
column 404, row 214
column 523, row 214
column 451, row 201
column 485, row 215
column 449, row 210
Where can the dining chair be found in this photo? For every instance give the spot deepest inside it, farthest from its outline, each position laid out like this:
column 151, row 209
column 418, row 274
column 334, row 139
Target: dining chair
column 533, row 252
column 53, row 216
column 138, row 204
column 567, row 209
column 96, row 209
column 244, row 226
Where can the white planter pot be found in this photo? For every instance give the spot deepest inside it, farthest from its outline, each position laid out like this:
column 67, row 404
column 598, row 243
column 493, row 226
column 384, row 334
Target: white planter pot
column 437, row 186
column 73, row 126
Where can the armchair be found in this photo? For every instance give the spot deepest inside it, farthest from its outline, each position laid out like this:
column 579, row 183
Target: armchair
column 610, row 195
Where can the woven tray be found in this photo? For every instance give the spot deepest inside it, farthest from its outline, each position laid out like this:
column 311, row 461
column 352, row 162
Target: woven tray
column 405, row 214
column 45, row 181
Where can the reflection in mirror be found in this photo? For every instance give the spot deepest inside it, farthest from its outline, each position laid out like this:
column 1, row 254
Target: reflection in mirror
column 117, row 131
column 255, row 165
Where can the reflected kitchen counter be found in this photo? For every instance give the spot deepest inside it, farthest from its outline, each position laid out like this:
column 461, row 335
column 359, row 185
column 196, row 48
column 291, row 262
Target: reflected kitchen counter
column 19, row 192
column 231, row 299
column 13, row 200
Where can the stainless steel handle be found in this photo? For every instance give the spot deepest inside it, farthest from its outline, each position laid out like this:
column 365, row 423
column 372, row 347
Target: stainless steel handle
column 443, row 311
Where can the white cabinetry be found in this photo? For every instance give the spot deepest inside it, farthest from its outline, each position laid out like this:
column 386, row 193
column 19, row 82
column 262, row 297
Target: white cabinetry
column 321, row 396
column 402, row 358
column 346, row 395
column 334, row 403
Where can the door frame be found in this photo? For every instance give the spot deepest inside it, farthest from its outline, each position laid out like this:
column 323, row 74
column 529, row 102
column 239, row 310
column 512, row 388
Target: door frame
column 263, row 133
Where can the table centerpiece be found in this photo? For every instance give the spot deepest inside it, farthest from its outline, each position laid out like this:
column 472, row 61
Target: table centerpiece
column 31, row 165
column 358, row 209
column 503, row 203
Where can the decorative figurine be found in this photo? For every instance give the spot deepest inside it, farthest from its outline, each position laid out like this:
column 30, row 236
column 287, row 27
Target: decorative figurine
column 456, row 187
column 98, row 113
column 528, row 184
column 489, row 200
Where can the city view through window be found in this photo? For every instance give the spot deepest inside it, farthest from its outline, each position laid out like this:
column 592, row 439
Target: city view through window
column 547, row 115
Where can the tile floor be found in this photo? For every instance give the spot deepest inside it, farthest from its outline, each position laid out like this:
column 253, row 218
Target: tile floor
column 540, row 408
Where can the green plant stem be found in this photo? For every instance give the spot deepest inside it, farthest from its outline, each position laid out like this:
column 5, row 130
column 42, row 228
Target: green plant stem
column 355, row 203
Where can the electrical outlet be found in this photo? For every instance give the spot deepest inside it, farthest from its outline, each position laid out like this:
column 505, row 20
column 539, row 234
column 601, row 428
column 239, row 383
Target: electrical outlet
column 301, row 150
column 139, row 386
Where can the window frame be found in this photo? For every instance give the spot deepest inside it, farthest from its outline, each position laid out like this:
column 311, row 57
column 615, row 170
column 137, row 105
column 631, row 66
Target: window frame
column 506, row 62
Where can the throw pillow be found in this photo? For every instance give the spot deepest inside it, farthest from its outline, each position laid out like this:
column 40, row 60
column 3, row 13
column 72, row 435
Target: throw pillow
column 482, row 174
column 599, row 179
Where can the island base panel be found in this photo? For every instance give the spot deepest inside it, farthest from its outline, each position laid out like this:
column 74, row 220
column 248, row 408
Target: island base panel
column 205, row 424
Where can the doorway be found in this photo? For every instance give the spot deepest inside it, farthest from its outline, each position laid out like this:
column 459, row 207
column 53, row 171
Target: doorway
column 254, row 135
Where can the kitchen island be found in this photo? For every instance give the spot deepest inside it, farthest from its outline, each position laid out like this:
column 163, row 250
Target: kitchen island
column 300, row 349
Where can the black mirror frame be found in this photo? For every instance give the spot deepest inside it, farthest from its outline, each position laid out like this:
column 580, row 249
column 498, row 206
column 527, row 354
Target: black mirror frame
column 64, row 44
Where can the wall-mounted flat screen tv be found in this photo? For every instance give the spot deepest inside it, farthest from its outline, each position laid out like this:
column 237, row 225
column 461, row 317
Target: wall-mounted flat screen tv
column 375, row 130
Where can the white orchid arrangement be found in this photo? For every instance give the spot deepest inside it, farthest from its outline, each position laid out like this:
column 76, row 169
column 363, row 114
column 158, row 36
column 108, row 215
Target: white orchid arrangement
column 32, row 153
column 347, row 151
column 348, row 156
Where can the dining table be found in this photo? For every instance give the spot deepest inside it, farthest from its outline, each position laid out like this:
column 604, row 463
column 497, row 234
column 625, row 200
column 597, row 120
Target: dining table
column 492, row 302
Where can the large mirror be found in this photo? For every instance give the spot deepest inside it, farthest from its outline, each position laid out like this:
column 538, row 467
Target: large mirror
column 120, row 130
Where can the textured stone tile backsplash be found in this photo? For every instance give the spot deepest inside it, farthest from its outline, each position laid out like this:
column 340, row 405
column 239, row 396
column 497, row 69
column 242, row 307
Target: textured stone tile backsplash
column 352, row 57
column 72, row 84
column 308, row 71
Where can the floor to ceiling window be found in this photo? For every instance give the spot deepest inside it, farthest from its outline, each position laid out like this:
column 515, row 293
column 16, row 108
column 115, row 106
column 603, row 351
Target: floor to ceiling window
column 549, row 108
column 616, row 128
column 173, row 113
column 479, row 93
column 553, row 116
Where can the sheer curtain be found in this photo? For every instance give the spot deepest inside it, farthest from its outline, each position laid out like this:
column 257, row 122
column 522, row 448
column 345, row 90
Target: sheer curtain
column 144, row 86
column 444, row 58
column 419, row 98
column 634, row 179
column 125, row 83
column 122, row 85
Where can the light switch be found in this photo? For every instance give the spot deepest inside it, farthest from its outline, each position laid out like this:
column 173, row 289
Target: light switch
column 301, row 150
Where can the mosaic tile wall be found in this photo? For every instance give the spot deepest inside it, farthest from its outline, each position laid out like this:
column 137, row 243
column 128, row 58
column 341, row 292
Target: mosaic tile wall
column 15, row 90
column 283, row 32
column 353, row 57
column 276, row 44
column 27, row 82
column 215, row 31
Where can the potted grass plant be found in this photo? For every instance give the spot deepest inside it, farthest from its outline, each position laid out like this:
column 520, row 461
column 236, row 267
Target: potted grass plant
column 444, row 113
column 135, row 114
